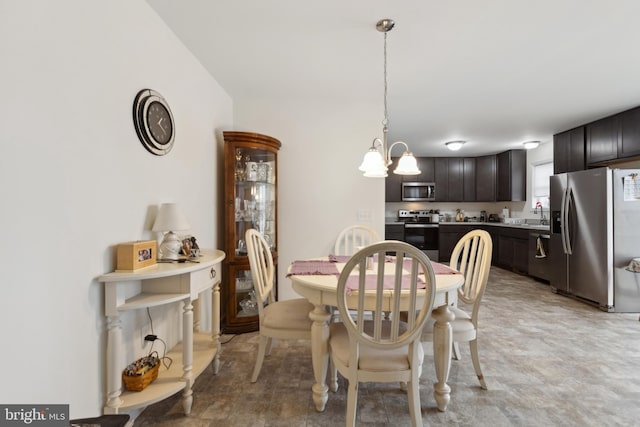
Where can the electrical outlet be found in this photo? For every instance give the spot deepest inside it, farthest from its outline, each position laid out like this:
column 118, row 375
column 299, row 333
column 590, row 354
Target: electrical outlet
column 144, row 331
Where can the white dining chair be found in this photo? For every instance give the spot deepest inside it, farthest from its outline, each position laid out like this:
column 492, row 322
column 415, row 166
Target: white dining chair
column 365, row 349
column 354, row 237
column 472, row 257
column 288, row 319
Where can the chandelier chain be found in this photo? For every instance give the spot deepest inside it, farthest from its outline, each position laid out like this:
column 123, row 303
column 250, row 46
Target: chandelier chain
column 386, row 116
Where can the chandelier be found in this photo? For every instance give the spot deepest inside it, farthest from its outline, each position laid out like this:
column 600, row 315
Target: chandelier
column 378, row 159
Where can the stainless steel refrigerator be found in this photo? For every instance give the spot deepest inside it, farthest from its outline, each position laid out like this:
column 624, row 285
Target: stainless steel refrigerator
column 595, row 233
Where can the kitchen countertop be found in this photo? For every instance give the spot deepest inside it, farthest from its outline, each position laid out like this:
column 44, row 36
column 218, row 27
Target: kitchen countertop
column 535, row 227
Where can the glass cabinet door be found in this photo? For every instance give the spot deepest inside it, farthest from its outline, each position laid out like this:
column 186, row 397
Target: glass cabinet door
column 255, row 196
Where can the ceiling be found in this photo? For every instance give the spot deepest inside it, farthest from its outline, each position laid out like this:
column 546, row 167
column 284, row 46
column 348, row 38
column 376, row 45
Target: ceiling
column 495, row 73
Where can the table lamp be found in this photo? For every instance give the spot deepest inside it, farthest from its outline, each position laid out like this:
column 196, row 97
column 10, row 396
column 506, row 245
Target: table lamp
column 170, row 218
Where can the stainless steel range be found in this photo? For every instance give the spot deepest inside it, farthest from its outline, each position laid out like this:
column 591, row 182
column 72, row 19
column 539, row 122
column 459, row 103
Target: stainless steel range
column 420, row 232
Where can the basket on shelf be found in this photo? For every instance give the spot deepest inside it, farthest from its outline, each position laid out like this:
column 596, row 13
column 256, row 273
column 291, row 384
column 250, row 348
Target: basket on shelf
column 139, row 374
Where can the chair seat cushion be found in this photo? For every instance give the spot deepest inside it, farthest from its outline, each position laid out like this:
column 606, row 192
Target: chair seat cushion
column 371, row 359
column 462, row 323
column 290, row 314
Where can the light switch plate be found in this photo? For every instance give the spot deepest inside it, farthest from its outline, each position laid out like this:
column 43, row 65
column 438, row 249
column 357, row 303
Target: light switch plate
column 364, row 215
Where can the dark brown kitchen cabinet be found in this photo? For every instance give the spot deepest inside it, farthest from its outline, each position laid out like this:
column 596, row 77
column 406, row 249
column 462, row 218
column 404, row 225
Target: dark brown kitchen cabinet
column 493, row 232
column 449, row 179
column 512, row 176
column 469, row 179
column 569, row 151
column 602, row 140
column 513, row 250
column 448, row 237
column 394, row 232
column 442, row 179
column 539, row 266
column 629, row 141
column 612, row 138
column 485, row 178
column 427, row 171
column 393, row 185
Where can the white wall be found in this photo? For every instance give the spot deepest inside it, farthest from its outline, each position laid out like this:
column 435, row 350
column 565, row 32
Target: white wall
column 320, row 187
column 75, row 180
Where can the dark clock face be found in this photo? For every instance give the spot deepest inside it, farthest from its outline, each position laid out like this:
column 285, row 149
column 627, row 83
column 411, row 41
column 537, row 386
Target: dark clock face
column 153, row 121
column 159, row 121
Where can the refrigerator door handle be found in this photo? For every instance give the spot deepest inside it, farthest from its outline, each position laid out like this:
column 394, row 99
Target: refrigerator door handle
column 567, row 228
column 563, row 220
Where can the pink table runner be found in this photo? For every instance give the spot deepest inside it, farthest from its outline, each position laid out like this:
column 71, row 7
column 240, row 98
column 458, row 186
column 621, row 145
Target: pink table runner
column 312, row 268
column 328, row 267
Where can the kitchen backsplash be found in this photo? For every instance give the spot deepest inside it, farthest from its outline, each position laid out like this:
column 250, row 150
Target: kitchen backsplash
column 470, row 210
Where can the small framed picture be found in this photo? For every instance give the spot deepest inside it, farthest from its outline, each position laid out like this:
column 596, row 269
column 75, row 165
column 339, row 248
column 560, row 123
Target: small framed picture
column 132, row 256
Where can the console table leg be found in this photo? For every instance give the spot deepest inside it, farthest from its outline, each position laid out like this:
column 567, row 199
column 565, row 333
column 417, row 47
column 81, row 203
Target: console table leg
column 215, row 325
column 187, row 355
column 114, row 348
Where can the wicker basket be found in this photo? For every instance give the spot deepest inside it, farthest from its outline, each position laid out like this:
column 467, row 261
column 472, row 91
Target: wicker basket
column 139, row 382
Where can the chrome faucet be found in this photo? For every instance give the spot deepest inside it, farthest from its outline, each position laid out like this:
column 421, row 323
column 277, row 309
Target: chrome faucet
column 543, row 220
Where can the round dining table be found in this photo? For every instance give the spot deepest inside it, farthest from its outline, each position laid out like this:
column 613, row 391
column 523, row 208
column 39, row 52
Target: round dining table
column 321, row 291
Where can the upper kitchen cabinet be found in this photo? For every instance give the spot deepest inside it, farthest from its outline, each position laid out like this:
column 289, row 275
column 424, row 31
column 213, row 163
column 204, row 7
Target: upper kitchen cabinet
column 629, row 141
column 485, row 178
column 449, row 179
column 469, row 179
column 250, row 191
column 427, row 171
column 455, row 179
column 511, row 176
column 569, row 151
column 602, row 140
column 605, row 141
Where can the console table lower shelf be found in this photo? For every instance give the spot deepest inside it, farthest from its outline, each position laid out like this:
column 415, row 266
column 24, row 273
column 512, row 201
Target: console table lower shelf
column 170, row 381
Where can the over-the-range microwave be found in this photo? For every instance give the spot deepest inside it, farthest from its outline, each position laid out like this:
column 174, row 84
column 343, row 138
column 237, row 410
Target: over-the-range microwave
column 418, row 191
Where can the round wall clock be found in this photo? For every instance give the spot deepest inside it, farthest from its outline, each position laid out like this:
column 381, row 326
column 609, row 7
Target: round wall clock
column 153, row 121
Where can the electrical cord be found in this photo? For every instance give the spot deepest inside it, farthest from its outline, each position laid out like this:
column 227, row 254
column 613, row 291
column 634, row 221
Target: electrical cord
column 232, row 337
column 152, row 337
column 150, row 319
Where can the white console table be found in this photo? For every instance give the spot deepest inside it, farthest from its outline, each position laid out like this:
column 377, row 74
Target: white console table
column 161, row 284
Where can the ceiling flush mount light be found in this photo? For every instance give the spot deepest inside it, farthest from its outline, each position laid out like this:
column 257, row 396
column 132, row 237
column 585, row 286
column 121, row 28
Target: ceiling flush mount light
column 377, row 160
column 454, row 145
column 530, row 145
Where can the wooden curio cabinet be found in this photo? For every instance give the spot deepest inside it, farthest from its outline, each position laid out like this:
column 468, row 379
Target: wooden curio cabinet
column 250, row 171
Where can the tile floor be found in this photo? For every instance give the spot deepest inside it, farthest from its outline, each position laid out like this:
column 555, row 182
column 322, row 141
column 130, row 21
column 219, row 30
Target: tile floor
column 548, row 361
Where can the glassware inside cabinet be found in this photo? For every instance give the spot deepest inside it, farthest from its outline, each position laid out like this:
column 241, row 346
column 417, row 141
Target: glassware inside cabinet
column 240, row 167
column 255, row 200
column 244, row 283
column 245, row 294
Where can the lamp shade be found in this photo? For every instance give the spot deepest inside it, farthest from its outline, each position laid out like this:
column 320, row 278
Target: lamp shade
column 530, row 145
column 407, row 165
column 373, row 164
column 170, row 218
